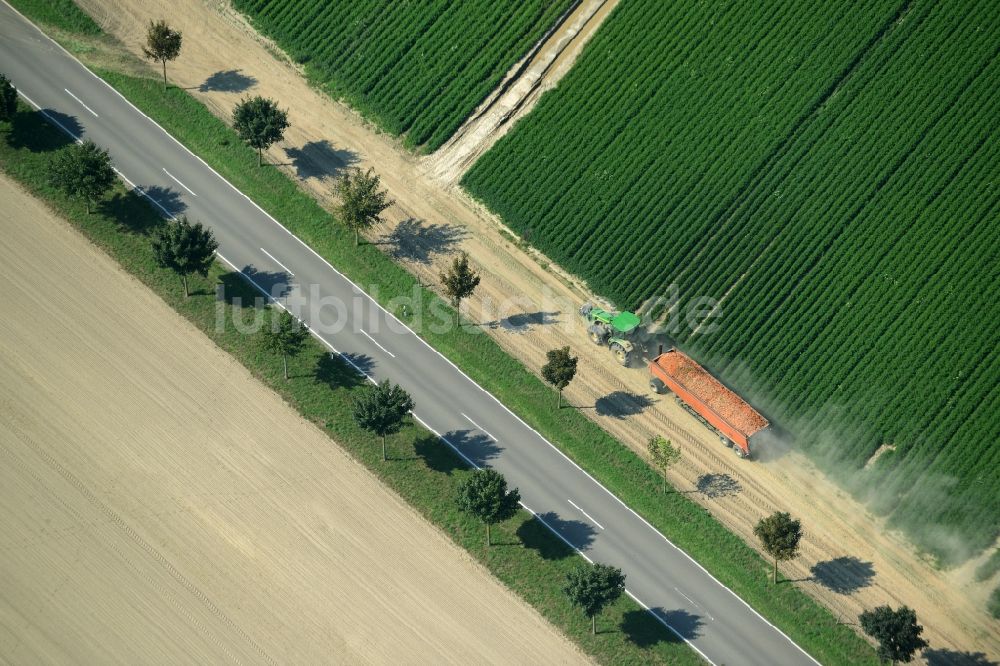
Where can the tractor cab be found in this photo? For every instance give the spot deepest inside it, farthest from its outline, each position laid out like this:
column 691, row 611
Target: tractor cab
column 625, row 324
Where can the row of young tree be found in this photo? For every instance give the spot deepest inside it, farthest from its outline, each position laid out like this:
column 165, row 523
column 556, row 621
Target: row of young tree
column 261, row 122
column 896, row 632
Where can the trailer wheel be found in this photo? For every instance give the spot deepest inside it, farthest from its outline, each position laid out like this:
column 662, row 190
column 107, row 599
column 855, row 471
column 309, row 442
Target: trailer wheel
column 657, row 386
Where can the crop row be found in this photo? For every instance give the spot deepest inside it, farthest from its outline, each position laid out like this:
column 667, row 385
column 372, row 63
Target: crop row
column 829, row 175
column 418, row 68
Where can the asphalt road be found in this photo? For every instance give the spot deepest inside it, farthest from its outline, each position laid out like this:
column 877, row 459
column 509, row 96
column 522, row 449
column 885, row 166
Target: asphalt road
column 662, row 578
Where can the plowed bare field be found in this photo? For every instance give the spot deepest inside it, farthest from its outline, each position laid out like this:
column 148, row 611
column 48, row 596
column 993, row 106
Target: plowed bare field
column 159, row 505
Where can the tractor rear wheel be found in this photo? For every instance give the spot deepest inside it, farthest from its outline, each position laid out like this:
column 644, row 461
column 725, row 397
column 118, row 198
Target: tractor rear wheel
column 621, row 354
column 595, row 337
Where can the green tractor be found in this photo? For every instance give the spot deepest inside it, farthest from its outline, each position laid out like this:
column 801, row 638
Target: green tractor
column 613, row 329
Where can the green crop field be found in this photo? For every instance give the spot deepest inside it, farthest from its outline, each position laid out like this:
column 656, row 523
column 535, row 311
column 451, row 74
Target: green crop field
column 417, row 67
column 830, row 173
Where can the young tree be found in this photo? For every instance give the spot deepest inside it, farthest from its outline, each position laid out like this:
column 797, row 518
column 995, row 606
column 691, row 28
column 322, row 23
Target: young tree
column 361, row 200
column 82, row 170
column 663, row 454
column 162, row 44
column 484, row 494
column 184, row 248
column 780, row 536
column 593, row 587
column 897, row 632
column 559, row 370
column 285, row 336
column 260, row 123
column 8, row 99
column 381, row 410
column 460, row 280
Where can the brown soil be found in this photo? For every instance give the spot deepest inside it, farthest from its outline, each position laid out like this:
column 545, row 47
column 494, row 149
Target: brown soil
column 160, row 505
column 537, row 313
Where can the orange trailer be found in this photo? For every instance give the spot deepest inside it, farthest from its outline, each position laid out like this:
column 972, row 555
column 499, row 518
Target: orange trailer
column 707, row 398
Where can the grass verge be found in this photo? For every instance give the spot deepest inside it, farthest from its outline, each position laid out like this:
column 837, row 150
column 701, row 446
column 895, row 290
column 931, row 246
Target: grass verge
column 61, row 14
column 683, row 521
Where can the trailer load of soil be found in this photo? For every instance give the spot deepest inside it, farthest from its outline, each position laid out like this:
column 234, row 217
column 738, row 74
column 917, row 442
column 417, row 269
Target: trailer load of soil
column 720, row 406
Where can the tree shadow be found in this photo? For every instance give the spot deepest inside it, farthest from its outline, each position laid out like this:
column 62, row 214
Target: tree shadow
column 537, row 535
column 718, row 485
column 361, row 362
column 336, row 373
column 234, row 289
column 230, row 80
column 168, row 198
column 843, row 575
column 942, row 657
column 644, row 630
column 33, row 131
column 686, row 624
column 437, row 455
column 475, row 446
column 316, row 159
column 620, row 404
column 274, row 283
column 522, row 322
column 131, row 211
column 416, row 240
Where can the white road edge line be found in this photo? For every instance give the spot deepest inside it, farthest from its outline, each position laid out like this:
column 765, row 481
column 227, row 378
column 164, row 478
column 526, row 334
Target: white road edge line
column 479, row 427
column 589, row 517
column 81, row 102
column 667, row 625
column 190, row 191
column 376, row 343
column 428, row 345
column 130, row 183
column 143, row 193
column 285, row 268
column 49, row 118
column 157, row 203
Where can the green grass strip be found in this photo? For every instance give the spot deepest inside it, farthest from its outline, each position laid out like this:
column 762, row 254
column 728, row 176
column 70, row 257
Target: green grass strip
column 62, row 14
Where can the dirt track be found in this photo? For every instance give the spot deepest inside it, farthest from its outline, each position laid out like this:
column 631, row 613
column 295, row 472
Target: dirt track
column 517, row 94
column 881, row 567
column 159, row 505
